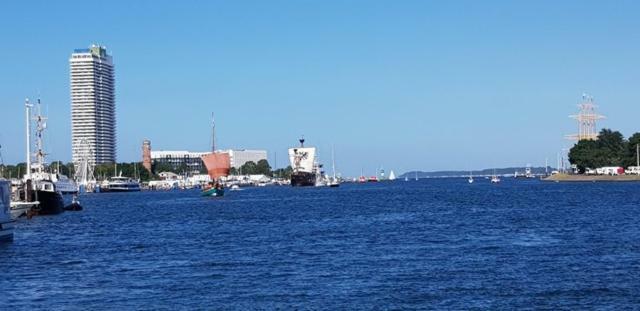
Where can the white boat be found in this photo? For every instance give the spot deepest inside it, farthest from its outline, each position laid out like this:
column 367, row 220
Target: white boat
column 21, row 208
column 494, row 178
column 470, row 180
column 6, row 223
column 120, row 184
column 64, row 184
column 333, row 181
column 392, row 176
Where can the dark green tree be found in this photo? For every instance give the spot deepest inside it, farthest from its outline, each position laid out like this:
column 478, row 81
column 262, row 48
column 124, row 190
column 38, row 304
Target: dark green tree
column 613, row 147
column 263, row 167
column 248, row 168
column 632, row 146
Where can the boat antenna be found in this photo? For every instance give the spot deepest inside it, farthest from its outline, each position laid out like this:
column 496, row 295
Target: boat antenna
column 301, row 140
column 28, row 106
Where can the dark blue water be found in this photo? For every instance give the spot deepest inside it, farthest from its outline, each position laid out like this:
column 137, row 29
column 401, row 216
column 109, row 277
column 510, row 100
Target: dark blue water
column 438, row 244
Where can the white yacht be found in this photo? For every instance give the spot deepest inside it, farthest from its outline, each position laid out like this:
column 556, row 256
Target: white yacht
column 6, row 223
column 120, row 184
column 470, row 180
column 64, row 184
column 494, row 178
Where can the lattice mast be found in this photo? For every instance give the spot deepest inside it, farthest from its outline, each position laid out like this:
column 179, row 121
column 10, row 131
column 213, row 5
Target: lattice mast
column 586, row 118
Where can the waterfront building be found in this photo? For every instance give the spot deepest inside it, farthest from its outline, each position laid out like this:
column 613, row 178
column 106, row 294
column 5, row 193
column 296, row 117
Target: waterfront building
column 93, row 119
column 241, row 156
column 146, row 155
column 192, row 162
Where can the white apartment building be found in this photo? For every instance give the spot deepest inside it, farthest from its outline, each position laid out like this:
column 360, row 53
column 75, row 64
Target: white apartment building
column 93, row 107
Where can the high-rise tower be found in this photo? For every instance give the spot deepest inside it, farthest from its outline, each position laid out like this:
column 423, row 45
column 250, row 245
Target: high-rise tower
column 93, row 107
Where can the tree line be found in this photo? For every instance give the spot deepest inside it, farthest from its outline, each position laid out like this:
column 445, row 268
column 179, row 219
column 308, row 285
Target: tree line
column 136, row 170
column 610, row 149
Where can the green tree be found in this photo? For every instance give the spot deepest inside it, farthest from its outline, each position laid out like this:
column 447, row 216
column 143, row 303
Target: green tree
column 248, row 168
column 263, row 167
column 632, row 146
column 613, row 147
column 583, row 154
column 283, row 172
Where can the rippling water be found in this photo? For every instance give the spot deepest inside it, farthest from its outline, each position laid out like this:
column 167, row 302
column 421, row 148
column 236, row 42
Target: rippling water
column 441, row 244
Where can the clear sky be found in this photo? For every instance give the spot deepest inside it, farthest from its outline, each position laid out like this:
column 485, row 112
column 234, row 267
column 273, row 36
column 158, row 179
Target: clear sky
column 408, row 85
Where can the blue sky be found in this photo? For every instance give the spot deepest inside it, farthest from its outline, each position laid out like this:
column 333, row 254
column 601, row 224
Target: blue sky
column 405, row 84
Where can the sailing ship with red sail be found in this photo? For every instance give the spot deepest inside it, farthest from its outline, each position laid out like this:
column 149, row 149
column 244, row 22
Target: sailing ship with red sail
column 218, row 165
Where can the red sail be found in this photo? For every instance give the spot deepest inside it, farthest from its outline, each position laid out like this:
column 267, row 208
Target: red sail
column 218, row 164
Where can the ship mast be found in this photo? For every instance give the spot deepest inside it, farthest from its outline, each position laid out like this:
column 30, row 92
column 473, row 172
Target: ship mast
column 213, row 133
column 28, row 106
column 40, row 127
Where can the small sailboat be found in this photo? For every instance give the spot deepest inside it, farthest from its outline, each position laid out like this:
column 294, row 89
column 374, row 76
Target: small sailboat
column 392, row 176
column 416, row 175
column 333, row 180
column 406, row 178
column 494, row 178
column 470, row 180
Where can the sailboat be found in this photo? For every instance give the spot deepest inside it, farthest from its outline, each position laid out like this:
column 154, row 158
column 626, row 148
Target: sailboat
column 392, row 176
column 494, row 178
column 416, row 175
column 218, row 165
column 470, row 180
column 333, row 181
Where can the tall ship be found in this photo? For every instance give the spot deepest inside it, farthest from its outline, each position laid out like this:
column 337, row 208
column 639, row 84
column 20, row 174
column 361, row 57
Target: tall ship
column 218, row 165
column 303, row 162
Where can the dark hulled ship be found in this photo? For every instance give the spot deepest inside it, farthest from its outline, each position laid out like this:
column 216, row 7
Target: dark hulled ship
column 303, row 163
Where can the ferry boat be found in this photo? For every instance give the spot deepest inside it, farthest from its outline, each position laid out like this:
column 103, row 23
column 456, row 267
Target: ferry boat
column 304, row 166
column 120, row 184
column 6, row 223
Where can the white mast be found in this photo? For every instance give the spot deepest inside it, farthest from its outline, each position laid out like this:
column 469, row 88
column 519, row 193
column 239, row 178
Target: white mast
column 28, row 119
column 333, row 162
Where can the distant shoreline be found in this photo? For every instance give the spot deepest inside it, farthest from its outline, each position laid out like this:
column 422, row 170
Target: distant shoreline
column 592, row 178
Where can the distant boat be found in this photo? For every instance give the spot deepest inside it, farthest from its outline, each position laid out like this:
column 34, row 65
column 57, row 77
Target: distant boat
column 120, row 184
column 305, row 169
column 416, row 175
column 392, row 175
column 333, row 180
column 215, row 190
column 406, row 178
column 494, row 178
column 218, row 165
column 470, row 180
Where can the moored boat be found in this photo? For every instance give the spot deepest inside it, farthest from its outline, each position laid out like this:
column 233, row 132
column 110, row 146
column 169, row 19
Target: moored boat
column 120, row 184
column 6, row 223
column 305, row 170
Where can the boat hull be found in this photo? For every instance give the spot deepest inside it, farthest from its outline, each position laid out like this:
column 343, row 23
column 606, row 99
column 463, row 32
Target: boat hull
column 303, row 179
column 107, row 189
column 213, row 192
column 6, row 231
column 51, row 203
